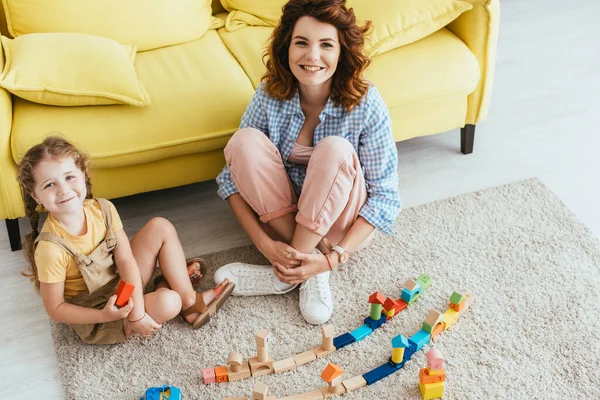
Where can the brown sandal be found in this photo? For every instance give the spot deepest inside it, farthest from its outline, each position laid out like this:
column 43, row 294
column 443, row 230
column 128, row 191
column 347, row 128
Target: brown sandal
column 207, row 311
column 195, row 274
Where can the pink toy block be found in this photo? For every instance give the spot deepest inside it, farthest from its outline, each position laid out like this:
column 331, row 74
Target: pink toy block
column 208, row 374
column 435, row 360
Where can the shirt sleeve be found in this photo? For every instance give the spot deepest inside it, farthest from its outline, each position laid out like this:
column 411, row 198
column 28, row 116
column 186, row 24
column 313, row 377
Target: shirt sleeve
column 51, row 261
column 379, row 158
column 255, row 117
column 116, row 219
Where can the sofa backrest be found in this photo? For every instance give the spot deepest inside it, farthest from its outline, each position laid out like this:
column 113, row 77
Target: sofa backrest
column 217, row 7
column 3, row 26
column 148, row 24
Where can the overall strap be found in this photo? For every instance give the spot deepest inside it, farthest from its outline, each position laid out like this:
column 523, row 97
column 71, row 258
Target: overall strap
column 111, row 240
column 66, row 246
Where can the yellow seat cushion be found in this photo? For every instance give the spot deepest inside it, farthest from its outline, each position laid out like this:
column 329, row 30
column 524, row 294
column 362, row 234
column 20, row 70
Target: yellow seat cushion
column 149, row 24
column 197, row 103
column 395, row 23
column 41, row 67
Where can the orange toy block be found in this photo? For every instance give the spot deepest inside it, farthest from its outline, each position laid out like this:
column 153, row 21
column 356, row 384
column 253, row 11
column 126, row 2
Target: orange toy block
column 331, row 372
column 221, row 374
column 425, row 378
column 439, row 328
column 123, row 292
column 460, row 306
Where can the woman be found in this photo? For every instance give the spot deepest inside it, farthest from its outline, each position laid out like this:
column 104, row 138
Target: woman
column 312, row 172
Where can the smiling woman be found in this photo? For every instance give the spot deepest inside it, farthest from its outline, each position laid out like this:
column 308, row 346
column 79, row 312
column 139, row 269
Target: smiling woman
column 312, row 172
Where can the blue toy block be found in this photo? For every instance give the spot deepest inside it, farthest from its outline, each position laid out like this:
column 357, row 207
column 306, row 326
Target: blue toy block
column 343, row 340
column 381, row 372
column 375, row 324
column 162, row 393
column 421, row 338
column 410, row 350
column 361, row 333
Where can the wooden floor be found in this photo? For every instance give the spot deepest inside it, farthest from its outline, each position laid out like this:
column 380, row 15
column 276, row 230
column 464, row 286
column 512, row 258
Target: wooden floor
column 541, row 124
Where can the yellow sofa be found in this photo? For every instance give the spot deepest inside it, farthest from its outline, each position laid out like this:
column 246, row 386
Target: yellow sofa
column 200, row 88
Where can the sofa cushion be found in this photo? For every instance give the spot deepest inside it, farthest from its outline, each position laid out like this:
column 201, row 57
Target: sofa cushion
column 437, row 64
column 40, row 67
column 198, row 91
column 147, row 23
column 395, row 23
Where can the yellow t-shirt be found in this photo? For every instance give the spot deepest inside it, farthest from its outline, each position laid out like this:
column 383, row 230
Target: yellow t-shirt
column 55, row 264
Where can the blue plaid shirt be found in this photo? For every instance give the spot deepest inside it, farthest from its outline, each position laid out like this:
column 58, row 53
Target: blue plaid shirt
column 367, row 127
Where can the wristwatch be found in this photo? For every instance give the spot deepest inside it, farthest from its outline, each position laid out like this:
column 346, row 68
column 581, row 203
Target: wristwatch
column 344, row 255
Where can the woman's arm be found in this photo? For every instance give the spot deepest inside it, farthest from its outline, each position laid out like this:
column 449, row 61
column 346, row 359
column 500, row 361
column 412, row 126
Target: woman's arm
column 61, row 311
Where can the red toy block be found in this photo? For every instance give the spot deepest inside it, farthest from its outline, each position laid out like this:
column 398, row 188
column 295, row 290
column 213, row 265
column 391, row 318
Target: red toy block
column 221, row 374
column 123, row 292
column 376, row 298
column 401, row 305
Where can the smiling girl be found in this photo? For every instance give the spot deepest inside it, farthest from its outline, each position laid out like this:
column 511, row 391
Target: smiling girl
column 312, row 171
column 81, row 252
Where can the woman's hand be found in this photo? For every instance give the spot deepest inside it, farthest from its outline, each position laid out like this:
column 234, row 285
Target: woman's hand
column 312, row 264
column 112, row 313
column 279, row 252
column 143, row 327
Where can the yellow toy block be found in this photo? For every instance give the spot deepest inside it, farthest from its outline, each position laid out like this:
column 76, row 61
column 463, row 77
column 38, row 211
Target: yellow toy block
column 432, row 390
column 450, row 317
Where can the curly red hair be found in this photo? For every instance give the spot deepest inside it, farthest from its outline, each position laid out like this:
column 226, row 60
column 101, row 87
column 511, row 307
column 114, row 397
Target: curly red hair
column 348, row 85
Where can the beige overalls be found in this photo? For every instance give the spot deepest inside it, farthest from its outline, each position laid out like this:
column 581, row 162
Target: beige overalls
column 101, row 278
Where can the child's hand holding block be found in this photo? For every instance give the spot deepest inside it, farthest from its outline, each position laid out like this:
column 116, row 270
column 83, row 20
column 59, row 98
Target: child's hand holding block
column 123, row 292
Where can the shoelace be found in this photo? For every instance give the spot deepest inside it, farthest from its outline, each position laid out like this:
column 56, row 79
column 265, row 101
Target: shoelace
column 259, row 281
column 316, row 289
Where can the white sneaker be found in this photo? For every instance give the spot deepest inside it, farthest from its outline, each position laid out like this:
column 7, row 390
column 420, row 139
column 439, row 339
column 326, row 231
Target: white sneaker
column 252, row 280
column 316, row 302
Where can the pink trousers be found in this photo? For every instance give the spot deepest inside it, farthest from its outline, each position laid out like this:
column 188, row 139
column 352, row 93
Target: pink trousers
column 333, row 192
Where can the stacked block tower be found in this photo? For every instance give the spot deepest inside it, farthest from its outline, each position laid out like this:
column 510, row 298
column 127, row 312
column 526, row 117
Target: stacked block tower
column 431, row 379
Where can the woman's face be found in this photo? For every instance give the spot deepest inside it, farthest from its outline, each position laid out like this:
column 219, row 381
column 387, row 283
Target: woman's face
column 314, row 51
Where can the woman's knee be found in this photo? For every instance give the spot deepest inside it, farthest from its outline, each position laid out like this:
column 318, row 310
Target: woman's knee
column 246, row 143
column 333, row 149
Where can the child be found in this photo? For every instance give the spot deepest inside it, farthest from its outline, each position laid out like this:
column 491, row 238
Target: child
column 79, row 256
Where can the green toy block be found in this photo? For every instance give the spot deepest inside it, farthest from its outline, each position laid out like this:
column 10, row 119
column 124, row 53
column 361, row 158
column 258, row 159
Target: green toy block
column 375, row 311
column 456, row 298
column 425, row 281
column 415, row 297
column 426, row 327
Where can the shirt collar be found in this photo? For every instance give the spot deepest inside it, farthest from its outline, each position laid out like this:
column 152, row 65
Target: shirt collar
column 292, row 106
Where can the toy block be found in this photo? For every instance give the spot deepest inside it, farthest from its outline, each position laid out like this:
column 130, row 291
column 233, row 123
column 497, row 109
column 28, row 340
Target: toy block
column 439, row 328
column 354, row 383
column 456, row 298
column 123, row 292
column 336, row 390
column 242, row 373
column 320, row 352
column 435, row 359
column 263, row 338
column 469, row 301
column 400, row 305
column 208, row 375
column 425, row 281
column 420, row 338
column 259, row 368
column 408, row 296
column 390, row 304
column 327, row 335
column 460, row 306
column 377, row 298
column 305, row 357
column 331, row 372
column 260, row 391
column 221, row 374
column 389, row 314
column 314, row 395
column 410, row 285
column 397, row 356
column 410, row 350
column 284, row 365
column 436, row 371
column 434, row 318
column 361, row 333
column 342, row 341
column 432, row 390
column 235, row 361
column 375, row 311
column 381, row 372
column 425, row 377
column 450, row 317
column 373, row 324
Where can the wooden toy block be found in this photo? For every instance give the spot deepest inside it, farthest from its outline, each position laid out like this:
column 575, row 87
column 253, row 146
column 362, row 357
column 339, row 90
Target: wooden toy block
column 420, row 338
column 469, row 301
column 327, row 334
column 389, row 314
column 235, row 361
column 261, row 392
column 305, row 357
column 381, row 372
column 456, row 298
column 434, row 318
column 354, row 383
column 221, row 374
column 401, row 305
column 439, row 328
column 263, row 338
column 450, row 317
column 284, row 365
column 314, row 395
column 425, row 281
column 242, row 373
column 376, row 298
column 425, row 377
column 259, row 368
column 460, row 306
column 331, row 372
column 343, row 340
column 410, row 285
column 123, row 292
column 361, row 333
column 397, row 355
column 208, row 375
column 320, row 352
column 432, row 390
column 390, row 304
column 373, row 324
column 337, row 390
column 435, row 359
column 436, row 371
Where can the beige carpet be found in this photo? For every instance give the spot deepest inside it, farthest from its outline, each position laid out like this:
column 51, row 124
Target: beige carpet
column 532, row 268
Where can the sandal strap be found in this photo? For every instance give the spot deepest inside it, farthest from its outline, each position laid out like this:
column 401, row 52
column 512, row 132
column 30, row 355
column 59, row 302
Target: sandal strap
column 198, row 307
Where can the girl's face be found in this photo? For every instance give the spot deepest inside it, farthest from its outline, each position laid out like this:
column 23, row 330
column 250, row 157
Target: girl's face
column 314, row 51
column 59, row 186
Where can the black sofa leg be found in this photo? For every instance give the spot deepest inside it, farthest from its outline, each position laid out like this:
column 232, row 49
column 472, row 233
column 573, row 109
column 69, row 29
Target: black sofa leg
column 467, row 137
column 14, row 235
